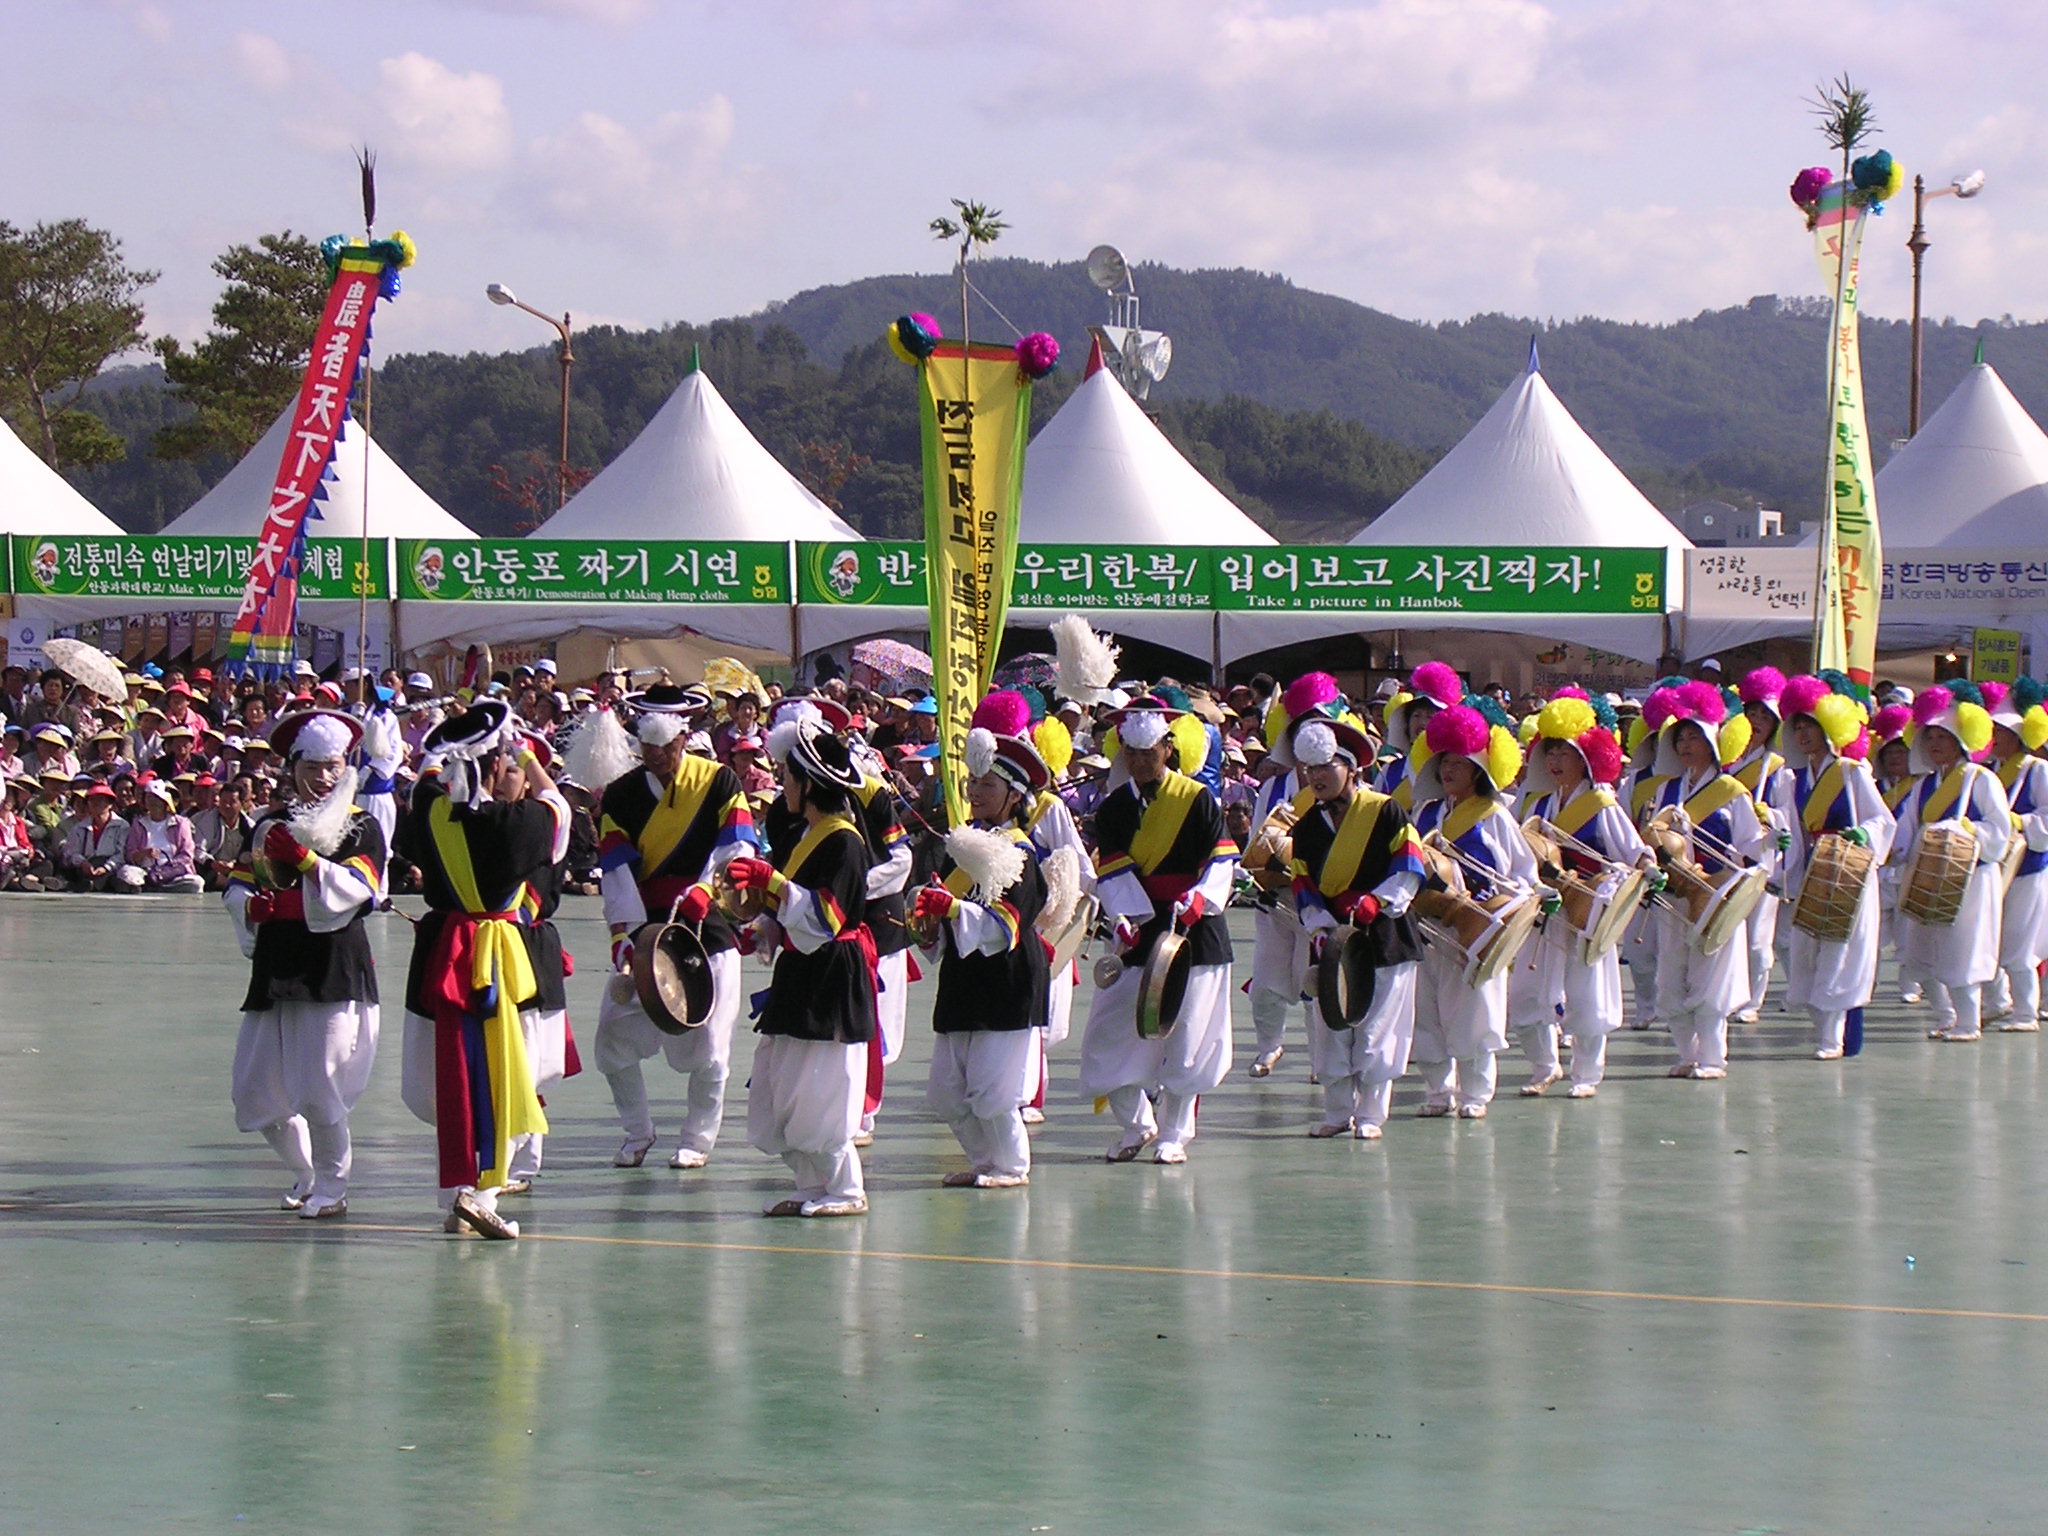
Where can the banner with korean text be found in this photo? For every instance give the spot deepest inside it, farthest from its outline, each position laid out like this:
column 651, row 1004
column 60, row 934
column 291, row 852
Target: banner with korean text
column 1851, row 551
column 169, row 568
column 592, row 571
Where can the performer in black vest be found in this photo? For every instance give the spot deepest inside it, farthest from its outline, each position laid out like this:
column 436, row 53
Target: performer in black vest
column 664, row 829
column 810, row 1068
column 992, row 967
column 468, row 1072
column 306, row 880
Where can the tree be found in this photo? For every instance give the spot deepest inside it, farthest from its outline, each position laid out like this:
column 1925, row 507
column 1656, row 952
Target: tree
column 68, row 304
column 250, row 364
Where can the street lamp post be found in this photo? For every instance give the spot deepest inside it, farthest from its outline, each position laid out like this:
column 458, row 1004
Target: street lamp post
column 1917, row 242
column 498, row 293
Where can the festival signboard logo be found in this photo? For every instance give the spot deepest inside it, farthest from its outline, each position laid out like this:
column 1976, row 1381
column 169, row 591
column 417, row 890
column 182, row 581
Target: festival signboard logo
column 428, row 568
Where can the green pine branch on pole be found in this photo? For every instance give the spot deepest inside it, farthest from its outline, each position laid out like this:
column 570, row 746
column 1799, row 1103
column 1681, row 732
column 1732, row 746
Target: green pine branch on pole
column 249, row 366
column 978, row 225
column 1847, row 118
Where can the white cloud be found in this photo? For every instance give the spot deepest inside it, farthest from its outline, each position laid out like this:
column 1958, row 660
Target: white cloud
column 262, row 63
column 448, row 123
column 604, row 13
column 670, row 182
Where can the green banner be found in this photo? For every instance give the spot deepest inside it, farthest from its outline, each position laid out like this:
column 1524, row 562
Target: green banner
column 1488, row 579
column 592, row 571
column 1112, row 576
column 172, row 569
column 886, row 573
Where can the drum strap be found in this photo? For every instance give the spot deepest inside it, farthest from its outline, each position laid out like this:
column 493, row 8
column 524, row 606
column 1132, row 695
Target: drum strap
column 1828, row 788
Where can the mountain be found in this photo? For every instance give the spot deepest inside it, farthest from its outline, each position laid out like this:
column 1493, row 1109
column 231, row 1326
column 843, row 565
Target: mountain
column 1312, row 411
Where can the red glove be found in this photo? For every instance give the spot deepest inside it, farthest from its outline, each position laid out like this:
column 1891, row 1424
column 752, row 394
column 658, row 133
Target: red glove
column 280, row 847
column 622, row 953
column 695, row 905
column 935, row 901
column 751, row 874
column 259, row 908
column 1364, row 910
column 1190, row 908
column 744, row 941
column 1125, row 933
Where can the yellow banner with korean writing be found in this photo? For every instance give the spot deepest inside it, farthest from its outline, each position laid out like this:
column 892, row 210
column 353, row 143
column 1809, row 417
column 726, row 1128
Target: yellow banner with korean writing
column 975, row 406
column 1852, row 556
column 1995, row 655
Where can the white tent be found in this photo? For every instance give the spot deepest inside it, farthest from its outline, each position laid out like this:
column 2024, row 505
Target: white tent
column 694, row 472
column 34, row 498
column 399, row 509
column 1976, row 474
column 1528, row 476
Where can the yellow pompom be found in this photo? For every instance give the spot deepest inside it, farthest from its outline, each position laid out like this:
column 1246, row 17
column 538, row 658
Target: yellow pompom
column 1636, row 732
column 1109, row 744
column 1276, row 722
column 2034, row 728
column 1734, row 738
column 1191, row 743
column 1566, row 719
column 1526, row 731
column 1840, row 717
column 1055, row 744
column 1973, row 727
column 1503, row 757
column 1418, row 754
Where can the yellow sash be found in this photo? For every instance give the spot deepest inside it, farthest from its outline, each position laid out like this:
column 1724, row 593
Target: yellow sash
column 1645, row 790
column 1895, row 796
column 1582, row 808
column 1945, row 795
column 1717, row 792
column 1164, row 817
column 1466, row 815
column 1347, row 850
column 674, row 812
column 808, row 844
column 1760, row 768
column 499, row 963
column 1825, row 789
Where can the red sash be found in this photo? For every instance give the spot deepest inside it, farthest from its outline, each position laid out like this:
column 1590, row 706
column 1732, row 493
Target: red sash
column 448, row 994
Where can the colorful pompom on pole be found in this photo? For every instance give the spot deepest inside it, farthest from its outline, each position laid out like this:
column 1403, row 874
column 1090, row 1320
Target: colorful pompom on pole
column 914, row 337
column 1458, row 729
column 1808, row 185
column 1038, row 354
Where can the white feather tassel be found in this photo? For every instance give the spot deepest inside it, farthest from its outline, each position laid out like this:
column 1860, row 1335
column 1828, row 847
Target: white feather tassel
column 981, row 751
column 322, row 825
column 994, row 861
column 599, row 752
column 1085, row 661
column 1062, row 871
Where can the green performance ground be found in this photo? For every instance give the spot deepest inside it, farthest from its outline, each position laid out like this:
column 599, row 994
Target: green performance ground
column 1680, row 1307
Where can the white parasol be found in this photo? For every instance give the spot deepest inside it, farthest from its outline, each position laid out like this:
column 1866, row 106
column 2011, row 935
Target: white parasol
column 87, row 666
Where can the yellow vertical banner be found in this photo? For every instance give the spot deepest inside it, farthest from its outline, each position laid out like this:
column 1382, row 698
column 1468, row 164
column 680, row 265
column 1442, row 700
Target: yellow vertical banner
column 975, row 407
column 1852, row 554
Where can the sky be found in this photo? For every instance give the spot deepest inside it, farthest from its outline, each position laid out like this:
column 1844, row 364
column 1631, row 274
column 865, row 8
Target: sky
column 646, row 161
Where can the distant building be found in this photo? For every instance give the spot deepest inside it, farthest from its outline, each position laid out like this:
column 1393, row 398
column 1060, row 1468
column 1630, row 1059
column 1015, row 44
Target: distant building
column 1717, row 525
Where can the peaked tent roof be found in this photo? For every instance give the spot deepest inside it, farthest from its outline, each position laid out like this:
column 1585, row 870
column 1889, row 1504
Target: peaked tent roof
column 399, row 509
column 1101, row 473
column 1975, row 475
column 695, row 472
column 1526, row 473
column 34, row 498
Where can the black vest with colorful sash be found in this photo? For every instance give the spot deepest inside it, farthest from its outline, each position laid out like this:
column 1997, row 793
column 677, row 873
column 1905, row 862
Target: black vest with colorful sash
column 882, row 826
column 293, row 964
column 1167, row 839
column 1006, row 991
column 1343, row 850
column 828, row 994
column 669, row 834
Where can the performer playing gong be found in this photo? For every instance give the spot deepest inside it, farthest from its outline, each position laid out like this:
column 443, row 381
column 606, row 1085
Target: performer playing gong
column 1825, row 792
column 810, row 1067
column 1955, row 793
column 666, row 827
column 1357, row 863
column 471, row 988
column 1697, row 991
column 991, row 1004
column 1163, row 863
column 298, row 895
column 2015, row 736
column 1461, row 798
column 1571, row 781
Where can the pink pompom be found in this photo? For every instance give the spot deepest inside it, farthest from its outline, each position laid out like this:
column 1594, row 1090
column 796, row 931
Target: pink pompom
column 1037, row 354
column 1994, row 694
column 1929, row 704
column 1439, row 681
column 1890, row 721
column 1572, row 691
column 1308, row 692
column 1662, row 707
column 1005, row 712
column 929, row 322
column 1859, row 749
column 1460, row 729
column 1704, row 701
column 1808, row 185
column 1800, row 695
column 1602, row 754
column 1763, row 686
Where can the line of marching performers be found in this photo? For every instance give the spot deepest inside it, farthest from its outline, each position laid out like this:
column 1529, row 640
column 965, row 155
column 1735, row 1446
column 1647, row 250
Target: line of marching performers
column 1432, row 878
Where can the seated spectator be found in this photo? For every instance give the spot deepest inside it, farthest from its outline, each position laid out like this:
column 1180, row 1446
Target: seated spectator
column 21, row 862
column 52, row 743
column 158, row 855
column 12, row 741
column 104, row 754
column 749, row 760
column 94, row 846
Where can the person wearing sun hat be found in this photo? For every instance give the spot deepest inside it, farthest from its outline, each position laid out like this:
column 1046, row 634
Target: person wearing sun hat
column 95, row 843
column 159, row 852
column 1356, row 862
column 1461, row 798
column 1163, row 862
column 2019, row 728
column 810, row 1070
column 1950, row 726
column 1828, row 789
column 1572, row 772
column 298, row 897
column 1697, row 992
column 1758, row 766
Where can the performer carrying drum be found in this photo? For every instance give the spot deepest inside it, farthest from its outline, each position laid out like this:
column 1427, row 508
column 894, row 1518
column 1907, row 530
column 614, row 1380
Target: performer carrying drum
column 1758, row 768
column 1356, row 867
column 1164, row 866
column 1698, row 988
column 1432, row 687
column 2016, row 735
column 1892, row 761
column 1460, row 1021
column 1954, row 827
column 665, row 829
column 1571, row 778
column 1841, row 830
column 298, row 896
